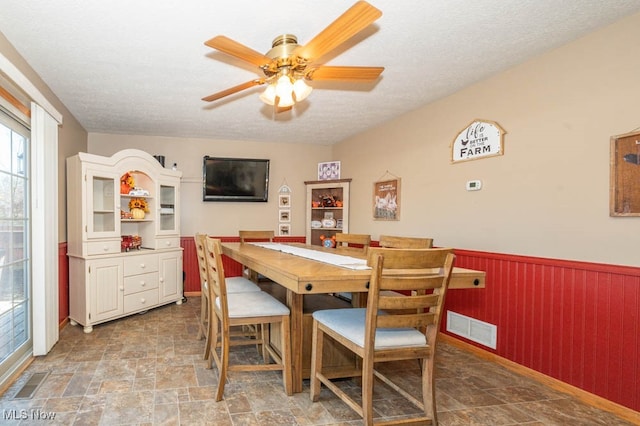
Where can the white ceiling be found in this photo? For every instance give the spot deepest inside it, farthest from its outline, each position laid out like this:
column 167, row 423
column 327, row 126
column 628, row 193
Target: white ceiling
column 141, row 67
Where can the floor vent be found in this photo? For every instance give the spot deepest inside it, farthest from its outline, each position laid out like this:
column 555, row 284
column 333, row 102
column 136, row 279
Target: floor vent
column 32, row 385
column 478, row 331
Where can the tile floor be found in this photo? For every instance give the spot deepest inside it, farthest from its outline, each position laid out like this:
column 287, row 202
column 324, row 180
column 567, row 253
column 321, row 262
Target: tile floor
column 148, row 370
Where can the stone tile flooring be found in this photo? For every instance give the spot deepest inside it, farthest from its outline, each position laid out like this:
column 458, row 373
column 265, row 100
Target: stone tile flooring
column 148, row 370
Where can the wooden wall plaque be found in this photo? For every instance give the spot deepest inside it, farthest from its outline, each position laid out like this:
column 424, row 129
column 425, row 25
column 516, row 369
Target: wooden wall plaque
column 625, row 175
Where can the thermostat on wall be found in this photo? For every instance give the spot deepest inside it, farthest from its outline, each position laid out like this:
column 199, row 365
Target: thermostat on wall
column 474, row 185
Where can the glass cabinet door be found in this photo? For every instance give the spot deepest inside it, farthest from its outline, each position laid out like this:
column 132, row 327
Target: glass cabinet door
column 168, row 212
column 103, row 210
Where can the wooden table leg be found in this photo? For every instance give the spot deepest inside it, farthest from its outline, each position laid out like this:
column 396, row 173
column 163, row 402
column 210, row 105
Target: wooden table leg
column 294, row 302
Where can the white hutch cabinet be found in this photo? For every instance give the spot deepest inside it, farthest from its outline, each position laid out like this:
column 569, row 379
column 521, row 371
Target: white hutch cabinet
column 106, row 281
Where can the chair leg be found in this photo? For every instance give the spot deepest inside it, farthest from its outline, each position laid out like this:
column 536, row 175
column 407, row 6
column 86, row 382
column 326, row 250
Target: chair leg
column 265, row 339
column 317, row 343
column 367, row 390
column 204, row 312
column 285, row 330
column 212, row 343
column 428, row 394
column 223, row 364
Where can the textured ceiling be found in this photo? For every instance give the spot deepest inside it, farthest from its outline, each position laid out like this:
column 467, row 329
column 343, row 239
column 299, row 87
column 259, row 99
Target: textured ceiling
column 141, row 67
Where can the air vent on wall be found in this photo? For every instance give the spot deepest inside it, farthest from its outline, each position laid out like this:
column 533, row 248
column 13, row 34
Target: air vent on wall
column 472, row 329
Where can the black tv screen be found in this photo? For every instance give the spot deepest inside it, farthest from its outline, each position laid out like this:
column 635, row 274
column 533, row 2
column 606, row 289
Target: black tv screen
column 235, row 179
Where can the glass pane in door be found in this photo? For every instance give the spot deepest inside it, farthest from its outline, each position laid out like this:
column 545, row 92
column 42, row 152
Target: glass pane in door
column 15, row 328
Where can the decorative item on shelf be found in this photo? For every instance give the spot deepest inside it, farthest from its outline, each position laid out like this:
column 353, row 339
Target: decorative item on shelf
column 138, row 207
column 125, row 215
column 328, row 223
column 126, row 183
column 328, row 200
column 329, row 242
column 138, row 192
column 129, row 242
column 315, row 224
column 315, row 204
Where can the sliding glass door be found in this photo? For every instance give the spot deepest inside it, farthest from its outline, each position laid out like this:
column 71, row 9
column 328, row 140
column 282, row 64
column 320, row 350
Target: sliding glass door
column 15, row 277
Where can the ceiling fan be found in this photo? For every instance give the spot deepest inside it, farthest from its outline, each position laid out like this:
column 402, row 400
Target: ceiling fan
column 288, row 65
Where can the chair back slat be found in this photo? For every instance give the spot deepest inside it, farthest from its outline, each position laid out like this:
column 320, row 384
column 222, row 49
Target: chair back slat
column 345, row 241
column 390, row 241
column 417, row 320
column 256, row 236
column 414, row 302
column 420, row 281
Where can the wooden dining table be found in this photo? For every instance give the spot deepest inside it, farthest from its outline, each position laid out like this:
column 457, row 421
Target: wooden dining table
column 301, row 276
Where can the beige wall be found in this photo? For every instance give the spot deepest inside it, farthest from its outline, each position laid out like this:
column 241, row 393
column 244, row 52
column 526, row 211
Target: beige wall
column 290, row 163
column 72, row 137
column 548, row 195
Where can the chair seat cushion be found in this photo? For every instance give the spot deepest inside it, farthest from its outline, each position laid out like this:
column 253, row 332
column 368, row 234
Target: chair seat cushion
column 350, row 323
column 240, row 285
column 253, row 304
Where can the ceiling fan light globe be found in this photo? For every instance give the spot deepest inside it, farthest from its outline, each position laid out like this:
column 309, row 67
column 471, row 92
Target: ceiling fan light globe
column 284, row 87
column 269, row 95
column 286, row 100
column 301, row 90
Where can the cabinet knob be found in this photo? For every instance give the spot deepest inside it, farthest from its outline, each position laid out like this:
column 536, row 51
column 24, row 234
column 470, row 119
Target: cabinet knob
column 105, row 248
column 121, row 288
column 143, row 300
column 142, row 265
column 142, row 283
column 168, row 243
column 161, row 279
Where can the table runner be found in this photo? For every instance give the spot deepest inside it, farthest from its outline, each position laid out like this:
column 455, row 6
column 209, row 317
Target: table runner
column 320, row 256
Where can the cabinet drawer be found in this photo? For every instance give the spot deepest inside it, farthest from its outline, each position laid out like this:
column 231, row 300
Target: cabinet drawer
column 168, row 242
column 135, row 265
column 103, row 247
column 142, row 282
column 140, row 301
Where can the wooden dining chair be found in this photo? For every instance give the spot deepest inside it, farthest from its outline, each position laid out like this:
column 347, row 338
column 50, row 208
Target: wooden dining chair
column 234, row 285
column 259, row 236
column 242, row 309
column 405, row 242
column 377, row 336
column 352, row 242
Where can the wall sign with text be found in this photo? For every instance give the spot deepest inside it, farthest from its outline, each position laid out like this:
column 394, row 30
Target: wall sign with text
column 479, row 139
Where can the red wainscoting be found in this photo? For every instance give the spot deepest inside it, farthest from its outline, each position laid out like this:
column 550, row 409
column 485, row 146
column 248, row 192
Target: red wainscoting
column 574, row 321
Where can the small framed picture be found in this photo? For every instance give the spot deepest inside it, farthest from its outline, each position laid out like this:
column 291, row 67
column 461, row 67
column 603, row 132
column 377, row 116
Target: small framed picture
column 285, row 215
column 284, row 200
column 283, row 229
column 329, row 170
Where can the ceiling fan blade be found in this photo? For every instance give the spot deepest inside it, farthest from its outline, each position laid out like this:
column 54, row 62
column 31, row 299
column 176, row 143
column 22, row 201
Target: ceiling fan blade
column 355, row 19
column 232, row 90
column 344, row 73
column 233, row 48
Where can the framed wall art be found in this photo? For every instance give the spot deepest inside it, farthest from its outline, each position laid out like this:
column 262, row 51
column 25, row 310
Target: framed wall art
column 386, row 199
column 284, row 230
column 624, row 185
column 329, row 170
column 284, row 201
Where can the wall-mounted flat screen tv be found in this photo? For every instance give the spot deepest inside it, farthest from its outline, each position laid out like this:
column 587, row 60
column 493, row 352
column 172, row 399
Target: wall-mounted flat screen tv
column 235, row 179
